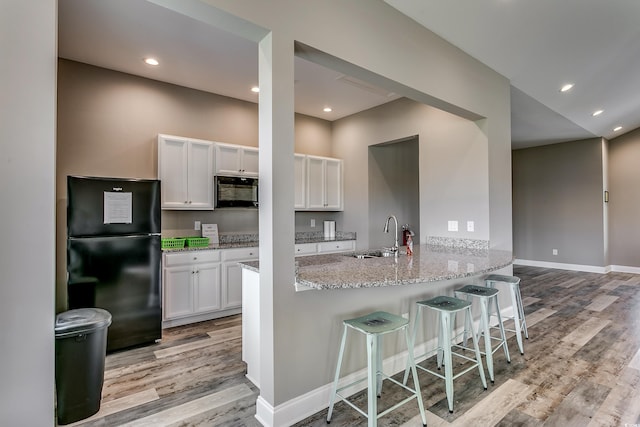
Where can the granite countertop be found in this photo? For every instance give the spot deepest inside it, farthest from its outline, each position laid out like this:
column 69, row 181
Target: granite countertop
column 429, row 263
column 231, row 241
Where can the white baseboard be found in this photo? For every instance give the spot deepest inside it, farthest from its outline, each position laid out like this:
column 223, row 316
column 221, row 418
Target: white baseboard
column 625, row 269
column 579, row 267
column 563, row 266
column 200, row 317
column 301, row 407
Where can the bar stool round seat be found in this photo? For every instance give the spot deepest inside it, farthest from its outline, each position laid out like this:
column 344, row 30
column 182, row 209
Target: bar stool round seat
column 447, row 307
column 520, row 322
column 485, row 296
column 374, row 326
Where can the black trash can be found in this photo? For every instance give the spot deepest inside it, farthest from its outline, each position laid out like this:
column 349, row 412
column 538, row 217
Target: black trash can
column 81, row 345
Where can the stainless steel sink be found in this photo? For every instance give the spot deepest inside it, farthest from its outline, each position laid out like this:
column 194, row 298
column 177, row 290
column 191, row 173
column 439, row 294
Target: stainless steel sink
column 372, row 254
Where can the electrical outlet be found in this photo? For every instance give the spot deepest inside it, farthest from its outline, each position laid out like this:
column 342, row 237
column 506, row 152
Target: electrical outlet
column 452, row 226
column 470, row 226
column 405, row 315
column 196, row 225
column 555, row 251
column 313, row 223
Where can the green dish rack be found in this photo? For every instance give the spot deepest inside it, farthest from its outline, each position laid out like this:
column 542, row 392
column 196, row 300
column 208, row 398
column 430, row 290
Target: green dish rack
column 173, row 243
column 197, row 242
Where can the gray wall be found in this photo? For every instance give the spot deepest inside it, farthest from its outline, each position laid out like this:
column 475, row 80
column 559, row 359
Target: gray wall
column 452, row 172
column 27, row 168
column 431, row 69
column 108, row 124
column 393, row 182
column 624, row 204
column 558, row 203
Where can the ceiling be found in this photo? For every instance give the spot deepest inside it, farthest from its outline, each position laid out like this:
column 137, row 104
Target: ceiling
column 539, row 45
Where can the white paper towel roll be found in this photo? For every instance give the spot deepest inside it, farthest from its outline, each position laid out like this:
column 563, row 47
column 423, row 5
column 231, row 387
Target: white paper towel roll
column 329, row 229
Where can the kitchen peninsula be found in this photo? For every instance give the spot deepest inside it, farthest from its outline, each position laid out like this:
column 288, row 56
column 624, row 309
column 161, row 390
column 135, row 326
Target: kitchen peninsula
column 347, row 285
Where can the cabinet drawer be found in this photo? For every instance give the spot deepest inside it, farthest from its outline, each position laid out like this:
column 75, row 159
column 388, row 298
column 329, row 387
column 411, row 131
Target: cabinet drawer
column 344, row 245
column 240, row 254
column 306, row 248
column 189, row 257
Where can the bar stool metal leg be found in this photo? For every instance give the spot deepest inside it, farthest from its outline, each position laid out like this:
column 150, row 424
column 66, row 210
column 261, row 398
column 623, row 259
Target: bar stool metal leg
column 516, row 320
column 486, row 296
column 334, row 389
column 448, row 362
column 447, row 307
column 374, row 326
column 372, row 377
column 519, row 320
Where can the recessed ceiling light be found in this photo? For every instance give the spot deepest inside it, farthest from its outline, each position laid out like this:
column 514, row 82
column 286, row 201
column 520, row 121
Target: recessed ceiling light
column 617, row 128
column 151, row 61
column 255, row 89
column 566, row 87
column 597, row 113
column 327, row 109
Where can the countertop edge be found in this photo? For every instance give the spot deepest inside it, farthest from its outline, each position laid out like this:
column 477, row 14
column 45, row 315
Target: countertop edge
column 376, row 284
column 252, row 244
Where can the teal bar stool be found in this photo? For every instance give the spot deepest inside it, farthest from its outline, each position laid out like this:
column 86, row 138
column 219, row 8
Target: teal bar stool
column 374, row 326
column 447, row 307
column 520, row 322
column 486, row 296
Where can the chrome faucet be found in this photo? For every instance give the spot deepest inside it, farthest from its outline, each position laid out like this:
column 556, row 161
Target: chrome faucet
column 394, row 249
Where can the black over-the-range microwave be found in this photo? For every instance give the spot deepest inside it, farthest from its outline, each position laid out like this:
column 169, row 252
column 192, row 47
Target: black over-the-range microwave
column 236, row 192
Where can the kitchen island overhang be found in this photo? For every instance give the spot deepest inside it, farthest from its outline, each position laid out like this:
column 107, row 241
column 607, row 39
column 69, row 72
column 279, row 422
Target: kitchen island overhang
column 429, row 263
column 343, row 287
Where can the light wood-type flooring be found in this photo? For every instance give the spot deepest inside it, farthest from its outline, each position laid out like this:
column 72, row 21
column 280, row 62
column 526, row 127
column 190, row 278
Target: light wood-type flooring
column 581, row 367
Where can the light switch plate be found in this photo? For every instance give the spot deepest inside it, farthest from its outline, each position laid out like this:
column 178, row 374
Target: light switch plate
column 452, row 226
column 196, row 225
column 313, row 222
column 471, row 226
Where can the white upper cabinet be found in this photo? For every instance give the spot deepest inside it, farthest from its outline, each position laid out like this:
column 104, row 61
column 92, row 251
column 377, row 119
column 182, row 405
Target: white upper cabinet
column 300, row 177
column 236, row 160
column 324, row 183
column 185, row 168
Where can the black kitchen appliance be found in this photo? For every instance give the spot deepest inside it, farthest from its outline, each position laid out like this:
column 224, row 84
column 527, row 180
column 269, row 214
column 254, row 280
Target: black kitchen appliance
column 114, row 255
column 236, row 192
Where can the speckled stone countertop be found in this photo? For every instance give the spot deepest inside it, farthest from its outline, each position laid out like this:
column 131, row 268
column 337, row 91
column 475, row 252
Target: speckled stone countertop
column 429, row 263
column 249, row 240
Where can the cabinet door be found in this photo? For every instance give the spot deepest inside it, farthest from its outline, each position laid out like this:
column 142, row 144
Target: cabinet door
column 200, row 175
column 333, row 184
column 178, row 291
column 227, row 159
column 315, row 183
column 337, row 246
column 306, row 249
column 232, row 285
column 300, row 177
column 207, row 287
column 173, row 171
column 249, row 162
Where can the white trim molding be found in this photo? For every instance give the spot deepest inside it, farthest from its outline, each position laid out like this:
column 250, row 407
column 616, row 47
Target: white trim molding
column 579, row 267
column 563, row 266
column 625, row 269
column 301, row 407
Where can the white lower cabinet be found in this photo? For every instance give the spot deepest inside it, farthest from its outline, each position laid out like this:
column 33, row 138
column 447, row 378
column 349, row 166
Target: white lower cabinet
column 232, row 274
column 191, row 286
column 306, row 249
column 205, row 284
column 336, row 246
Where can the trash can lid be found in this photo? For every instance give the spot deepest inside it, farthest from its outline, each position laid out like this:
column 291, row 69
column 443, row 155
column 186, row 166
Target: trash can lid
column 81, row 320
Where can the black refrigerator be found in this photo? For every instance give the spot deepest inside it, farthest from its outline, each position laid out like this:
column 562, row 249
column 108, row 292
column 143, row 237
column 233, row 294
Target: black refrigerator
column 114, row 255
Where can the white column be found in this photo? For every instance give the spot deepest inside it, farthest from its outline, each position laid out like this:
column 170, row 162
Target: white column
column 28, row 40
column 277, row 221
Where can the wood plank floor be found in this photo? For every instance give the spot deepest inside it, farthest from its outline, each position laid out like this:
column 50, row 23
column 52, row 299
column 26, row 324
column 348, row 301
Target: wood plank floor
column 581, row 367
